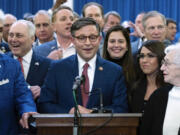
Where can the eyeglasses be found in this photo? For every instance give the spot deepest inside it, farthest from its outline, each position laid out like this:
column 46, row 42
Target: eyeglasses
column 165, row 63
column 83, row 39
column 149, row 55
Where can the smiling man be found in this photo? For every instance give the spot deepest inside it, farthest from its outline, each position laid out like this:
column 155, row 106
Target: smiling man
column 34, row 67
column 100, row 75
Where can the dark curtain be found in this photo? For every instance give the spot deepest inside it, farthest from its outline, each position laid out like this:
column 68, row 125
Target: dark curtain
column 128, row 9
column 19, row 7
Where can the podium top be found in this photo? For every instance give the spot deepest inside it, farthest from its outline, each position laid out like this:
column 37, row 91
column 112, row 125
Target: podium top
column 88, row 115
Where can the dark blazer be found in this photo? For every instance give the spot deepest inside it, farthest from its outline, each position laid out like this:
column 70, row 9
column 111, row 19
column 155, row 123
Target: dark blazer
column 134, row 47
column 46, row 48
column 15, row 97
column 152, row 121
column 137, row 98
column 57, row 96
column 4, row 47
column 38, row 69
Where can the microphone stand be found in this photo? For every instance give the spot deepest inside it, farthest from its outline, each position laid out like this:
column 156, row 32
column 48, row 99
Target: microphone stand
column 76, row 118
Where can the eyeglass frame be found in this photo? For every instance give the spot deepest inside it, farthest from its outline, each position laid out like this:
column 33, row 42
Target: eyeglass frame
column 166, row 63
column 85, row 39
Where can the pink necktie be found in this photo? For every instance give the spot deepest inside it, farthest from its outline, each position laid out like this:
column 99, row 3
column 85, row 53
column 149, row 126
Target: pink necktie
column 85, row 85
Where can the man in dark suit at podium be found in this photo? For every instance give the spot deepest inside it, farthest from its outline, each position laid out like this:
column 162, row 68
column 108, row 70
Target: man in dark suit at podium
column 100, row 76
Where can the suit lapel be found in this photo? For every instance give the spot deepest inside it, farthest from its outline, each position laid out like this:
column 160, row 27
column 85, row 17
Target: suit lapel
column 97, row 84
column 99, row 71
column 34, row 65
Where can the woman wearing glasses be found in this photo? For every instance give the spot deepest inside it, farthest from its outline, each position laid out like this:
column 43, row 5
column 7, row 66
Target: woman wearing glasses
column 117, row 48
column 149, row 75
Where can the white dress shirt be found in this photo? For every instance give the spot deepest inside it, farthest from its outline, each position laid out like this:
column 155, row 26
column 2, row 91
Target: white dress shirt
column 68, row 51
column 172, row 115
column 91, row 69
column 26, row 61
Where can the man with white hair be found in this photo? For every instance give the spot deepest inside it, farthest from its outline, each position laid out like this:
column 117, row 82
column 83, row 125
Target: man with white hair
column 162, row 111
column 3, row 46
column 154, row 24
column 34, row 67
column 9, row 19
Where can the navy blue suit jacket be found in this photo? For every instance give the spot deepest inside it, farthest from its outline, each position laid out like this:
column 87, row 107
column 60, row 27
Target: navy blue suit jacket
column 46, row 48
column 4, row 47
column 38, row 69
column 57, row 96
column 14, row 95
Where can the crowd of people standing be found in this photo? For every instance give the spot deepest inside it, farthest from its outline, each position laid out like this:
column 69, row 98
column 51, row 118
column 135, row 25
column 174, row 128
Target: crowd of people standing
column 41, row 57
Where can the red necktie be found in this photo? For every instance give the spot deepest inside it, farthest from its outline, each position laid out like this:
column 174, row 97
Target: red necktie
column 20, row 61
column 85, row 85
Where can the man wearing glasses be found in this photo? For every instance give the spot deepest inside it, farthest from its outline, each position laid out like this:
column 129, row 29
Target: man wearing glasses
column 100, row 76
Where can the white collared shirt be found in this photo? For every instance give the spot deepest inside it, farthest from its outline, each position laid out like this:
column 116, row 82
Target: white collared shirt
column 172, row 115
column 26, row 61
column 91, row 69
column 68, row 51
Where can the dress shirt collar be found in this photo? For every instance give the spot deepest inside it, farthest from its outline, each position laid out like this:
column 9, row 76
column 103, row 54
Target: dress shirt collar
column 27, row 57
column 81, row 62
column 70, row 46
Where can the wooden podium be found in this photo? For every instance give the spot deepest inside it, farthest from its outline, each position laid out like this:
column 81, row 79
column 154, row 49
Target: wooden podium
column 62, row 124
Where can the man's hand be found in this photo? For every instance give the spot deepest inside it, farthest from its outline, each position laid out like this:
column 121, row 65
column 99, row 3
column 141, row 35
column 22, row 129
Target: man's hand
column 137, row 32
column 24, row 120
column 36, row 90
column 81, row 110
column 56, row 54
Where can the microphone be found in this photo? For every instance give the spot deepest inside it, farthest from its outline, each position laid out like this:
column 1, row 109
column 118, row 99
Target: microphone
column 78, row 81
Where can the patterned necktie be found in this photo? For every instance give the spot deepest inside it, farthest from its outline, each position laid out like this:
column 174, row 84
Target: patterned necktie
column 20, row 61
column 85, row 85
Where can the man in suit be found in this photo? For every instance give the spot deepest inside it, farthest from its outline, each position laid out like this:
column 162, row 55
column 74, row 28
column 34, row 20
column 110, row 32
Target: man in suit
column 100, row 75
column 95, row 10
column 62, row 47
column 15, row 97
column 34, row 67
column 9, row 19
column 44, row 29
column 3, row 46
column 138, row 32
column 154, row 24
column 171, row 30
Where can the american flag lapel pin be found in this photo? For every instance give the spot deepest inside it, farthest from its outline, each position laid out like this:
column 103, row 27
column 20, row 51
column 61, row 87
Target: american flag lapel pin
column 101, row 68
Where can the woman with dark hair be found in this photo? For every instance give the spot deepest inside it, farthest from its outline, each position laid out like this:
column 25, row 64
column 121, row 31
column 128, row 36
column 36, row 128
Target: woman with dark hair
column 149, row 75
column 117, row 48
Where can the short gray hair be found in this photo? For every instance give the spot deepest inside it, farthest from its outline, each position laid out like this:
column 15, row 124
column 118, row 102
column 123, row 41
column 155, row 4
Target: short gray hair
column 114, row 13
column 30, row 26
column 152, row 14
column 176, row 49
column 43, row 12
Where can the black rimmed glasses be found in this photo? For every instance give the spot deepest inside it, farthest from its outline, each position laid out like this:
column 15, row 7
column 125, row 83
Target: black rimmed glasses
column 83, row 39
